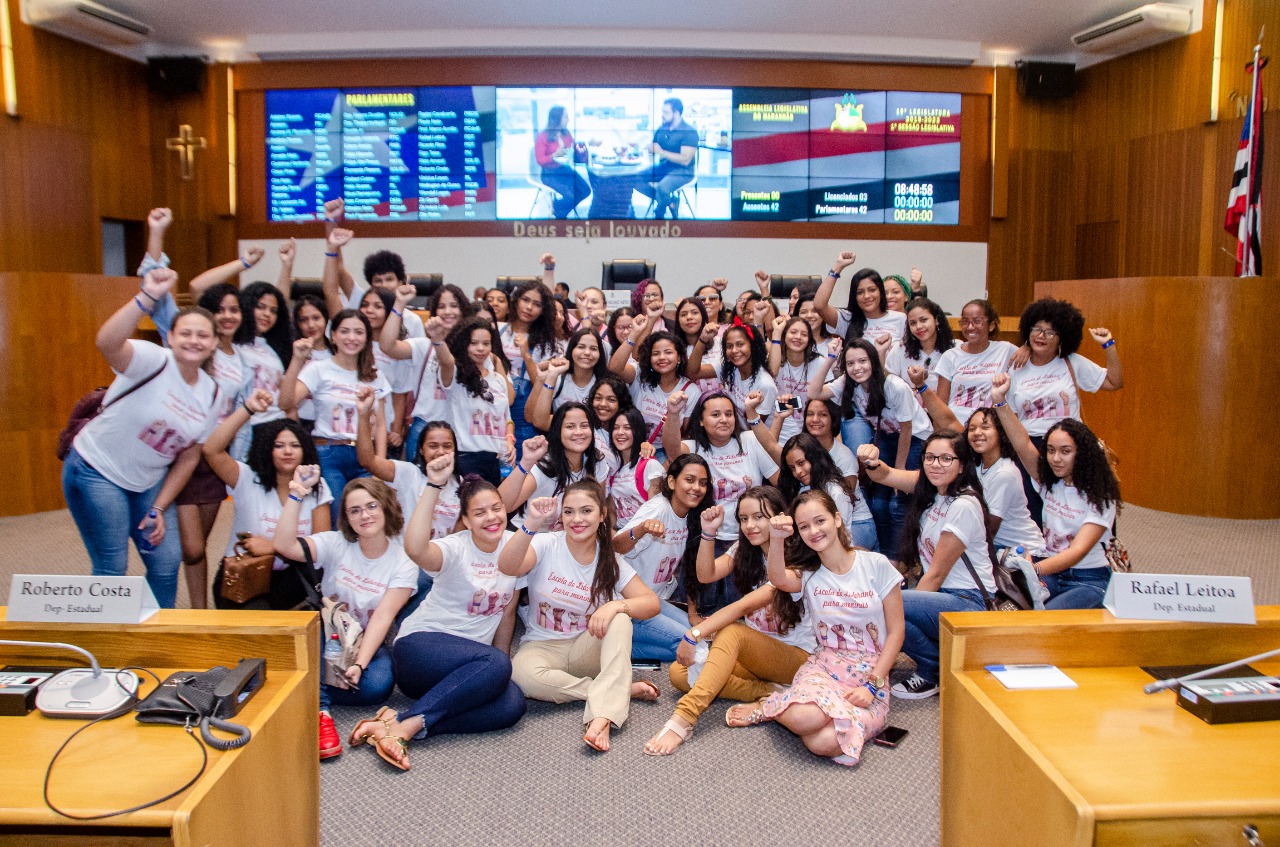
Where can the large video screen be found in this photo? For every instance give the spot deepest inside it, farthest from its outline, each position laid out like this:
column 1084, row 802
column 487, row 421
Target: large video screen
column 498, row 153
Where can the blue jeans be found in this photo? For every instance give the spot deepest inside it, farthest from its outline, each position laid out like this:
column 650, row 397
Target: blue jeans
column 569, row 186
column 524, row 429
column 338, row 466
column 108, row 516
column 458, row 685
column 921, row 610
column 1077, row 588
column 658, row 636
column 855, row 432
column 888, row 505
column 863, row 534
column 375, row 684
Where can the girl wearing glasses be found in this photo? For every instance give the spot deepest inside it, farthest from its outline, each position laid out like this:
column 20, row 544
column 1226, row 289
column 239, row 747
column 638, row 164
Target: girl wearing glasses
column 946, row 534
column 364, row 566
column 964, row 372
column 479, row 396
column 1081, row 498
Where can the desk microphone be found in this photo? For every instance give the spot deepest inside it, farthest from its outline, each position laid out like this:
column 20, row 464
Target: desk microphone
column 82, row 692
column 1174, row 682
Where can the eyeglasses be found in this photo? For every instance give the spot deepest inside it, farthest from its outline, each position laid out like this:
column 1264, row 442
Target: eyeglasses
column 1046, row 331
column 710, row 298
column 356, row 511
column 652, row 296
column 934, row 459
column 973, row 322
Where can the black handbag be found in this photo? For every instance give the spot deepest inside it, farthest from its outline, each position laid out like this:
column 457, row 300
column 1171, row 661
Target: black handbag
column 1012, row 594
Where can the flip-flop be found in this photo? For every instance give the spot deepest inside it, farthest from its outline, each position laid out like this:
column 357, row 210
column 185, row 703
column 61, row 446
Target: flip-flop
column 400, row 764
column 753, row 718
column 650, row 687
column 358, row 737
column 681, row 732
column 591, row 740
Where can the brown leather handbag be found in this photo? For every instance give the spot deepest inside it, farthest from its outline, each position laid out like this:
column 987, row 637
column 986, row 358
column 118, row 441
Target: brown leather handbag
column 246, row 577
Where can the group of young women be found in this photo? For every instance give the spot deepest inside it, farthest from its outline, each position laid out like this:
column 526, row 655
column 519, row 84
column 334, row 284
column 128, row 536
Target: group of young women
column 704, row 494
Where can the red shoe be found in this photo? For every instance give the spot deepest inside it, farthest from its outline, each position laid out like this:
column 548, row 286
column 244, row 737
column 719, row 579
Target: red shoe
column 330, row 743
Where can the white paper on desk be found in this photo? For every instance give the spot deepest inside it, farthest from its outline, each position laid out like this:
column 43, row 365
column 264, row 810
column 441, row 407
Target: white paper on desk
column 1025, row 677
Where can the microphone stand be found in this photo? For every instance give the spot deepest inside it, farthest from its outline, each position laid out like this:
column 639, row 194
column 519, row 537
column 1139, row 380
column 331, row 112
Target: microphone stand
column 1174, row 682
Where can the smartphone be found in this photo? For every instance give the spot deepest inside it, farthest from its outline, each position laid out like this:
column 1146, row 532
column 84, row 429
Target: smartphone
column 890, row 736
column 791, row 405
column 646, row 664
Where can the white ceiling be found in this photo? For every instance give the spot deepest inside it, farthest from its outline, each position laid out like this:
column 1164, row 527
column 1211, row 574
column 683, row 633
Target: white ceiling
column 952, row 31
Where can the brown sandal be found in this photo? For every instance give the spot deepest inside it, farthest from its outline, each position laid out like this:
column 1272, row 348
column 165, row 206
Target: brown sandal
column 382, row 717
column 753, row 718
column 403, row 762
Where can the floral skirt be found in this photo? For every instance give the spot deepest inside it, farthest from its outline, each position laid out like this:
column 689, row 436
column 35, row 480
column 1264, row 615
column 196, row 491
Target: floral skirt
column 824, row 680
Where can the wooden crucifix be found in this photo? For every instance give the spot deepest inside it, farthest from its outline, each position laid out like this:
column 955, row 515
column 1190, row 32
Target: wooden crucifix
column 186, row 146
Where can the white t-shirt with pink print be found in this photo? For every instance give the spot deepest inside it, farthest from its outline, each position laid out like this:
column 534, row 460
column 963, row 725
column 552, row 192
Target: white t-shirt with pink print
column 560, row 603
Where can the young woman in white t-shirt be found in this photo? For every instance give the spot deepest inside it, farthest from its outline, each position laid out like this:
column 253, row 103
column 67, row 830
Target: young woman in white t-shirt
column 806, row 465
column 577, row 643
column 793, row 360
column 656, row 372
column 269, row 350
column 839, row 698
column 528, row 337
column 365, row 566
column 426, row 400
column 634, row 474
column 1008, row 518
column 259, row 488
column 867, row 315
column 480, row 396
column 946, row 524
column 657, row 541
column 759, row 641
column 451, row 653
column 819, row 419
column 566, row 379
column 926, row 341
column 334, row 384
column 1081, row 499
column 127, row 465
column 744, row 370
column 409, row 479
column 570, row 454
column 310, row 319
column 964, row 372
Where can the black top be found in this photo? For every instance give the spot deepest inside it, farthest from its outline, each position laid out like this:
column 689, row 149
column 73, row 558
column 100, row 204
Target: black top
column 671, row 140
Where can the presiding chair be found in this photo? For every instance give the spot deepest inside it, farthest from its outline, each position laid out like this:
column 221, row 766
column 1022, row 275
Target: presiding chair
column 781, row 285
column 626, row 274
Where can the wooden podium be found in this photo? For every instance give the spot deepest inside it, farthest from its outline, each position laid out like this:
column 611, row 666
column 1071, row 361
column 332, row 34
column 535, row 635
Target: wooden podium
column 266, row 793
column 1104, row 763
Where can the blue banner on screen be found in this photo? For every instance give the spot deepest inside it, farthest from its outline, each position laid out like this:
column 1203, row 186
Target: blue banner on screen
column 486, row 153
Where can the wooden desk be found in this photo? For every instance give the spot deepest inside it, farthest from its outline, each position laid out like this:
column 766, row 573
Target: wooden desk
column 266, row 793
column 1102, row 764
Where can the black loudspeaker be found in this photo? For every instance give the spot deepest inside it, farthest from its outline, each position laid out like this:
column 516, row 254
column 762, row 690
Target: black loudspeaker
column 174, row 75
column 1046, row 80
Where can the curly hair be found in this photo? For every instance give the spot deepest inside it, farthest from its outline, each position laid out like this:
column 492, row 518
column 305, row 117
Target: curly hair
column 858, row 320
column 922, row 498
column 383, row 262
column 749, row 571
column 758, row 355
column 1065, row 318
column 944, row 341
column 800, row 555
column 280, row 336
column 611, row 329
column 385, row 497
column 542, row 329
column 365, row 369
column 989, row 414
column 1092, row 474
column 468, row 373
column 644, row 355
column 260, row 460
column 211, row 302
column 465, row 306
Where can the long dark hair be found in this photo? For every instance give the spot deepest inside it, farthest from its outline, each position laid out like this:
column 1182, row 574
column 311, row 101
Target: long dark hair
column 465, row 306
column 601, row 368
column 542, row 331
column 259, row 459
column 211, row 301
column 921, row 499
column 619, row 389
column 554, row 116
column 611, row 329
column 556, row 463
column 639, row 432
column 800, row 555
column 468, row 373
column 648, row 376
column 280, row 337
column 1092, row 474
column 307, row 300
column 388, row 301
column 758, row 356
column 822, row 334
column 749, row 570
column 858, row 320
column 689, row 558
column 696, row 432
column 420, row 462
column 702, row 313
column 823, row 472
column 365, row 370
column 811, row 349
column 945, row 340
column 607, row 570
column 875, row 383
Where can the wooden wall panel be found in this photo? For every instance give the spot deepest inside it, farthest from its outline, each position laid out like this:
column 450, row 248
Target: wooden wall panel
column 1037, row 239
column 1164, row 197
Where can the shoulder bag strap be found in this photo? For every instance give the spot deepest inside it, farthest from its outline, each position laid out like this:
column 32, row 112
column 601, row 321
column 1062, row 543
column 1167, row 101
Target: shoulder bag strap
column 310, row 580
column 986, row 598
column 657, row 431
column 640, row 486
column 1075, row 385
column 136, row 385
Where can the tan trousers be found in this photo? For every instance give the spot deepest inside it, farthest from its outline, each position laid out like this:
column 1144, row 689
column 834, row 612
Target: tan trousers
column 742, row 665
column 597, row 670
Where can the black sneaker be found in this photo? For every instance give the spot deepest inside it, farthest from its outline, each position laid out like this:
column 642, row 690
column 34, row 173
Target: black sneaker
column 915, row 688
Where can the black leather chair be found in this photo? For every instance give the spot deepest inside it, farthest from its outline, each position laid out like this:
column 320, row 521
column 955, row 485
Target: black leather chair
column 508, row 284
column 300, row 285
column 624, row 274
column 781, row 285
column 427, row 285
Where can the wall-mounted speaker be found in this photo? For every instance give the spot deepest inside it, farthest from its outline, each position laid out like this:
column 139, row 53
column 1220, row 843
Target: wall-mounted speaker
column 1046, row 80
column 175, row 75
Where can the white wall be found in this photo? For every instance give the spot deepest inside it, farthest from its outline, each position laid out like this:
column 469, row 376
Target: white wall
column 954, row 271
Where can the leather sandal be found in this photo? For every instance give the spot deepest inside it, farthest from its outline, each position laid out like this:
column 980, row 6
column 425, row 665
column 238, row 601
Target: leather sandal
column 753, row 718
column 403, row 762
column 358, row 737
column 681, row 732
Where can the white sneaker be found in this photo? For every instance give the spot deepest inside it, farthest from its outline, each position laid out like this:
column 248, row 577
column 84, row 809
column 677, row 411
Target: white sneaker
column 915, row 688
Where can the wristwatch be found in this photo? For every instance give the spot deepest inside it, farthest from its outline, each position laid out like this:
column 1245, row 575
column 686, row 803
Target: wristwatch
column 879, row 683
column 697, row 636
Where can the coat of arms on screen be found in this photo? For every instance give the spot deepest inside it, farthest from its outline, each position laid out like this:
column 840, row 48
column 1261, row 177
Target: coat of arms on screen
column 848, row 116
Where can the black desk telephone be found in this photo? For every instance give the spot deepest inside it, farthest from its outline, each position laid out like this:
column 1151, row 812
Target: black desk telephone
column 206, row 698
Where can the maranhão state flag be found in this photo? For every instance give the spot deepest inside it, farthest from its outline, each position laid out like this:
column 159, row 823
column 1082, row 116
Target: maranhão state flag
column 1244, row 203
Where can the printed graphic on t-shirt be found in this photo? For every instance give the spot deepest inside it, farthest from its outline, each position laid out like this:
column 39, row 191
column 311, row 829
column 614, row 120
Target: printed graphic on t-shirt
column 1045, row 407
column 833, row 601
column 487, row 423
column 666, row 570
column 267, row 379
column 343, row 420
column 764, row 620
column 972, row 397
column 886, row 422
column 485, row 603
column 557, row 619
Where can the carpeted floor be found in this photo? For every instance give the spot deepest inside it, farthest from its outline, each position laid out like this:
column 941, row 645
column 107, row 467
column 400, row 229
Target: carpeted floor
column 537, row 784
